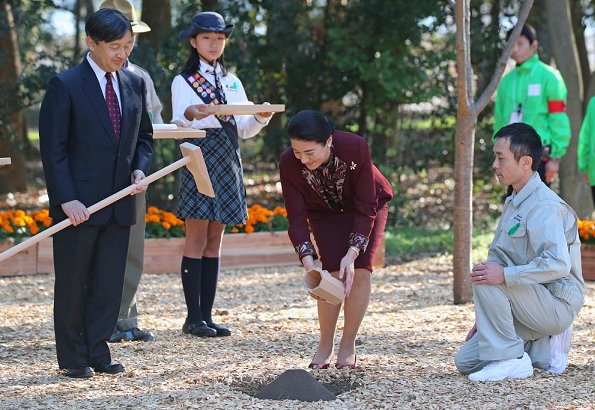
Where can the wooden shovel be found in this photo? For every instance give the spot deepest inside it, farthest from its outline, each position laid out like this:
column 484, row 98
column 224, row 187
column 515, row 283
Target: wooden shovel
column 191, row 157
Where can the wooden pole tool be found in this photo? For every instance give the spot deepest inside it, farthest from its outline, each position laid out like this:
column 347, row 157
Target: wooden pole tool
column 191, row 157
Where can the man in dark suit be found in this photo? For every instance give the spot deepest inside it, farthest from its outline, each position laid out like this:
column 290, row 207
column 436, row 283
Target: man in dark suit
column 95, row 139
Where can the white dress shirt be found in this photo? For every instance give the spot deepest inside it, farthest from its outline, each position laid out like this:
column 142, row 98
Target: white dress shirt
column 183, row 96
column 103, row 81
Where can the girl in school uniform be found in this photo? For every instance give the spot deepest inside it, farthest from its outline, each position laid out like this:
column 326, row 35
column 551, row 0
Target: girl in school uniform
column 204, row 81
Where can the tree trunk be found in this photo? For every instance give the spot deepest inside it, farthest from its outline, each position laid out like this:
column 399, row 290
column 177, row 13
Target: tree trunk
column 572, row 188
column 89, row 7
column 77, row 29
column 463, row 215
column 13, row 177
column 581, row 46
column 157, row 14
column 463, row 167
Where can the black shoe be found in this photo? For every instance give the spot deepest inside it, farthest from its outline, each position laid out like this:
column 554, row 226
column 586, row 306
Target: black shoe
column 199, row 329
column 132, row 335
column 221, row 330
column 117, row 337
column 110, row 368
column 80, row 372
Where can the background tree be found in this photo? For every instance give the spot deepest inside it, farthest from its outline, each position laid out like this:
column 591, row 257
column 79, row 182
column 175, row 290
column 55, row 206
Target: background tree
column 467, row 113
column 568, row 61
column 12, row 120
column 22, row 40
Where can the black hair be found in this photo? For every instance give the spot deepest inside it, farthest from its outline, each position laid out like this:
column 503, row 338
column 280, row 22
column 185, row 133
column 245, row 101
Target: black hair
column 192, row 64
column 107, row 25
column 310, row 125
column 524, row 141
column 527, row 31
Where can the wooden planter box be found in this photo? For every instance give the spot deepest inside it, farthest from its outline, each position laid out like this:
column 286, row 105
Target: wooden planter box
column 588, row 261
column 23, row 263
column 239, row 250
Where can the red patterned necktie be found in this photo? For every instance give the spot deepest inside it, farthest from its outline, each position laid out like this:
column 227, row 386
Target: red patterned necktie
column 112, row 105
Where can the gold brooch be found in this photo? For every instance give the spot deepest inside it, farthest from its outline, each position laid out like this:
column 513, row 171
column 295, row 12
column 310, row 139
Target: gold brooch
column 353, row 165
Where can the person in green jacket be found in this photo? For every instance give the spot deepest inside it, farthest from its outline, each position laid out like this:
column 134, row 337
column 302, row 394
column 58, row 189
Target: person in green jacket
column 585, row 152
column 535, row 93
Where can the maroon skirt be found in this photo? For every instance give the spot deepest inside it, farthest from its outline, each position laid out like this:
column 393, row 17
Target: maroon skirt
column 331, row 234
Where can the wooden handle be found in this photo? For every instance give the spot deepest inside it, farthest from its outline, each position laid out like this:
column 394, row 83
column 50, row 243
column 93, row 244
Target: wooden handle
column 242, row 109
column 92, row 209
column 179, row 133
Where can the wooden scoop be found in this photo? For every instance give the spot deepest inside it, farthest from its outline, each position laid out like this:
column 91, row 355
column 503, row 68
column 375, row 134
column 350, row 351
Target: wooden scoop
column 323, row 284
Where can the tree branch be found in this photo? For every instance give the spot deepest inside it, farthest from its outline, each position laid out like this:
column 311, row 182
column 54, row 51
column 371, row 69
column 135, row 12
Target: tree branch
column 501, row 64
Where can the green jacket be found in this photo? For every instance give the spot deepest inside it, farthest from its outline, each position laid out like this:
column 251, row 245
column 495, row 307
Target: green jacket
column 585, row 153
column 541, row 91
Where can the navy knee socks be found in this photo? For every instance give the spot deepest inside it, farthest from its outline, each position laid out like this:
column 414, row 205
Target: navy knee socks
column 210, row 272
column 191, row 283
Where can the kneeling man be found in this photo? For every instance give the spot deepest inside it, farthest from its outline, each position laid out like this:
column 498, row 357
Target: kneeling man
column 530, row 290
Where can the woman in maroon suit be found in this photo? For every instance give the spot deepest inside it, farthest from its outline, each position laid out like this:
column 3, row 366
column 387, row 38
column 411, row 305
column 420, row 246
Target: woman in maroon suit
column 331, row 187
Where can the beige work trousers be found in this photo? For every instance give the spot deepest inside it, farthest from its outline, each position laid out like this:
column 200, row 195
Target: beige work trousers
column 128, row 317
column 510, row 321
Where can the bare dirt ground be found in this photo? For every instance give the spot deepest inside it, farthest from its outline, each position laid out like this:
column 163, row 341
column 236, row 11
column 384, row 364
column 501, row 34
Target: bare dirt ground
column 405, row 349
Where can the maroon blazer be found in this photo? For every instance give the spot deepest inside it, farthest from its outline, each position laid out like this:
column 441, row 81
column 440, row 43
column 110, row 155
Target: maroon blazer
column 365, row 189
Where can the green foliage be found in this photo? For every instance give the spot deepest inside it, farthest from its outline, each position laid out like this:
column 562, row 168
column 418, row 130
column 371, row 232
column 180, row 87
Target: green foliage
column 156, row 230
column 279, row 223
column 411, row 243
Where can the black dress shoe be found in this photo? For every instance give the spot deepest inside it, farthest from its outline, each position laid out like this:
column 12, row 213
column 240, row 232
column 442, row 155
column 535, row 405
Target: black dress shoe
column 199, row 329
column 137, row 335
column 80, row 372
column 221, row 330
column 116, row 337
column 110, row 368
column 131, row 335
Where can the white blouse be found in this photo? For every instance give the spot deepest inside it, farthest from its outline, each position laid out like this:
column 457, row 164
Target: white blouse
column 184, row 96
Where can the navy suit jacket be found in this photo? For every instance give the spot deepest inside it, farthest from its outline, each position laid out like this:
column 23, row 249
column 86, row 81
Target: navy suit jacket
column 80, row 155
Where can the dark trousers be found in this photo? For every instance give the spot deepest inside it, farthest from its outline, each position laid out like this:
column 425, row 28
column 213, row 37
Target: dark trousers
column 89, row 262
column 593, row 194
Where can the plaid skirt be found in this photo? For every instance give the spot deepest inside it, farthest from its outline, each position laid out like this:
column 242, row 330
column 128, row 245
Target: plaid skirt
column 225, row 171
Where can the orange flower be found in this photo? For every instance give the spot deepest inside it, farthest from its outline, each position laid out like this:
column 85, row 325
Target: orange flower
column 586, row 231
column 280, row 210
